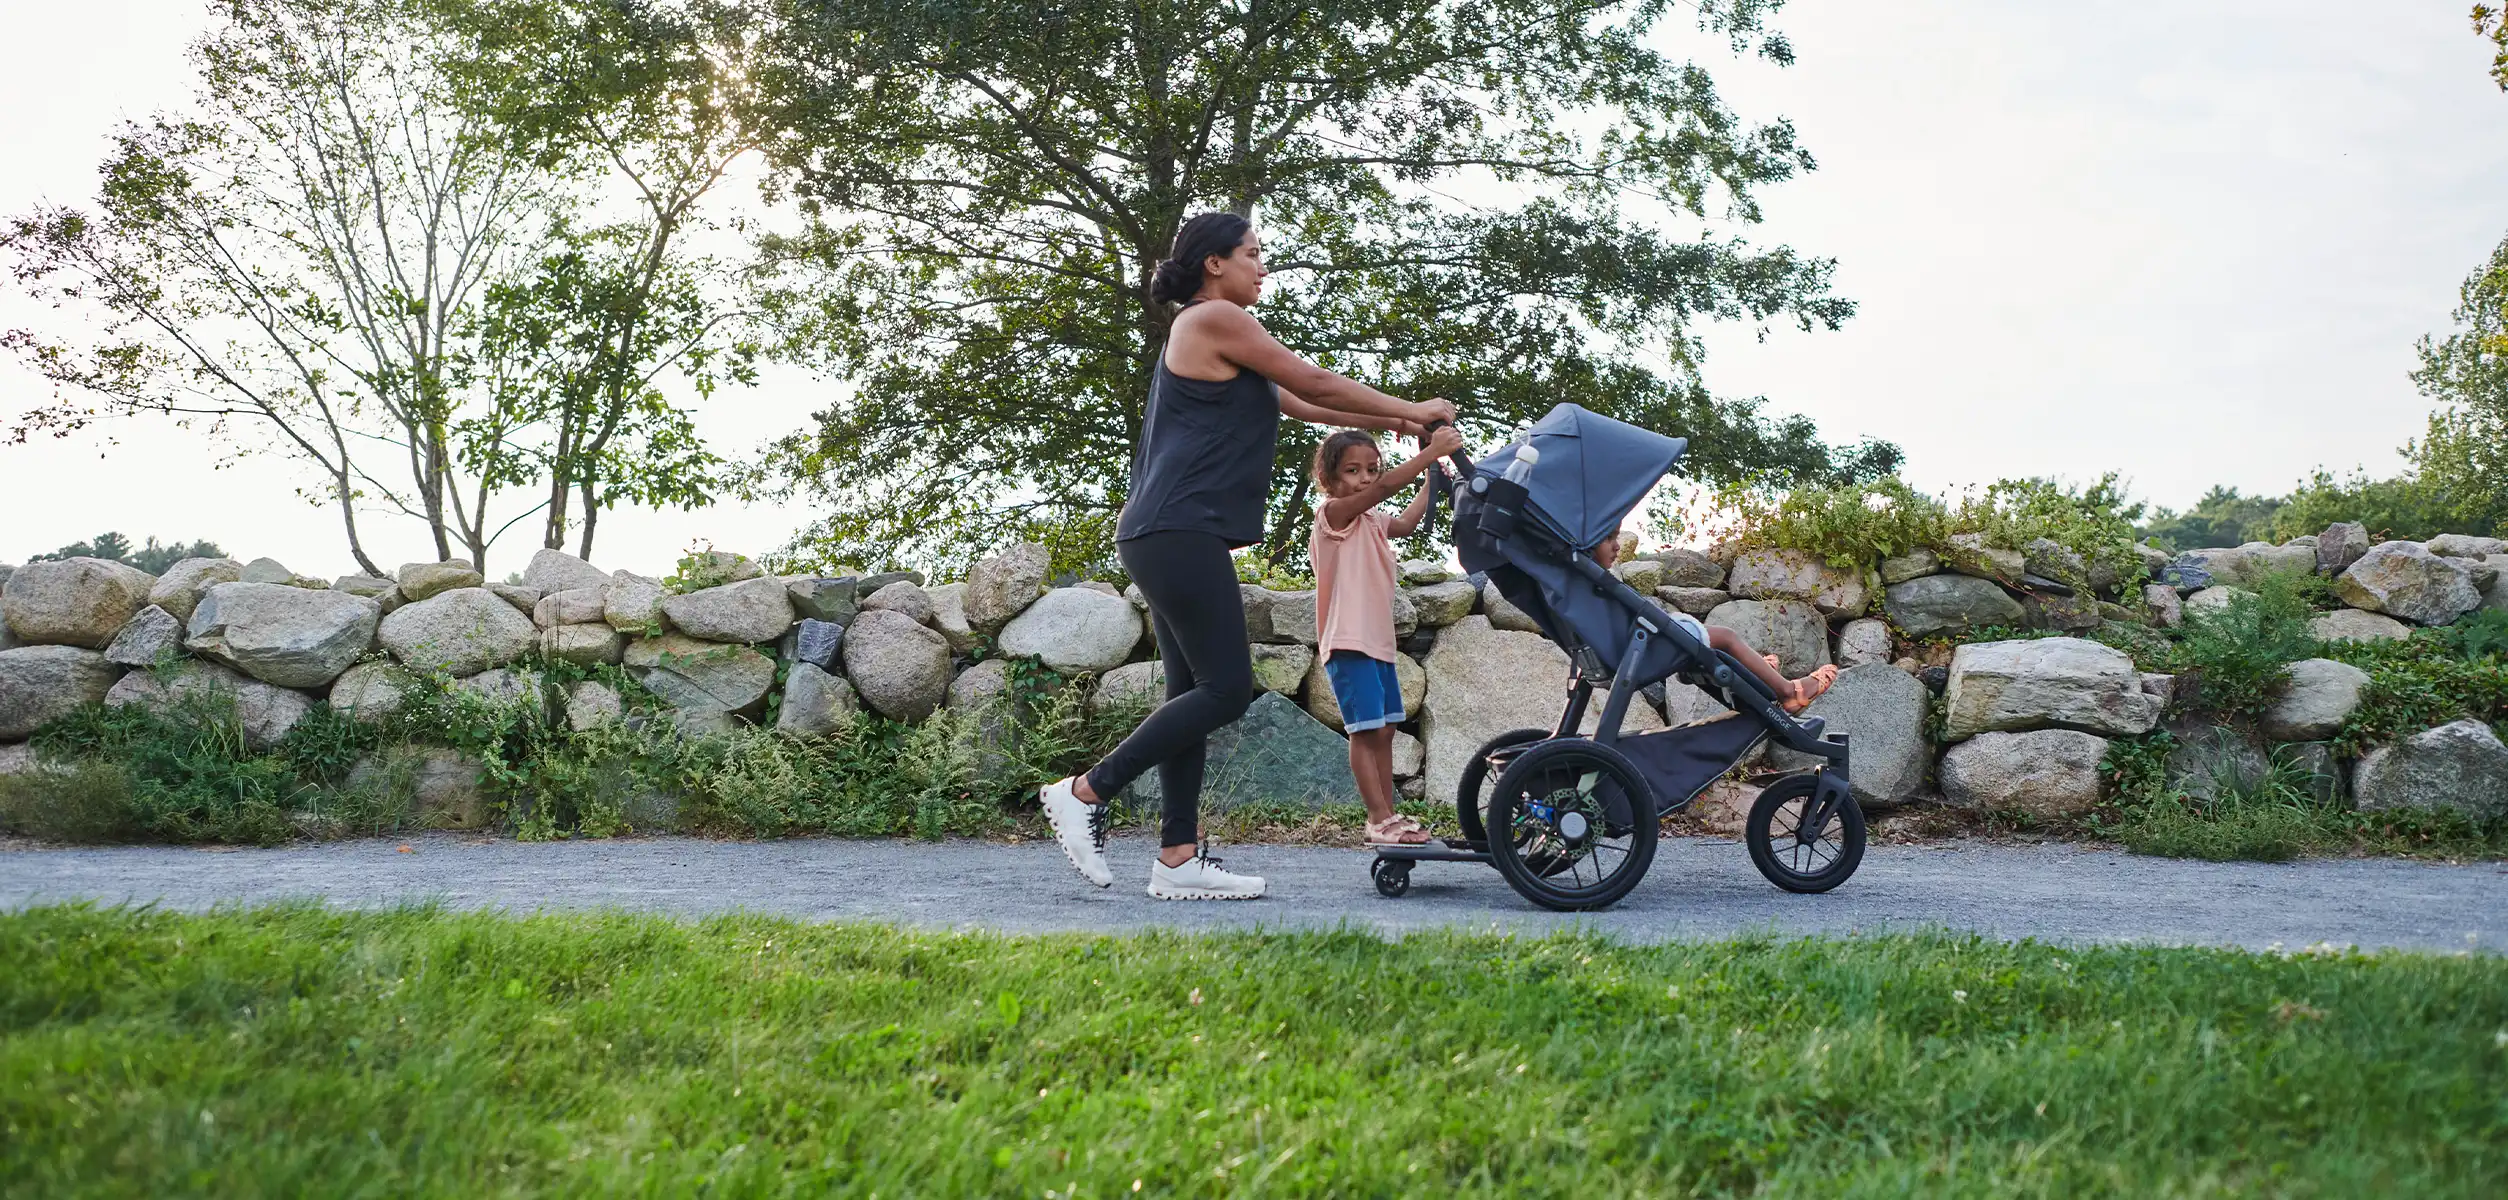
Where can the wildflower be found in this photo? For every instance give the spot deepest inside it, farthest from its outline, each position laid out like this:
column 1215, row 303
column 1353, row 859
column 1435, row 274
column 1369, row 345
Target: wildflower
column 1196, row 997
column 1959, row 995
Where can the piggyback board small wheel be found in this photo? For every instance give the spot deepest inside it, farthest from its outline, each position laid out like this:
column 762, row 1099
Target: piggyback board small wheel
column 1393, row 878
column 1790, row 860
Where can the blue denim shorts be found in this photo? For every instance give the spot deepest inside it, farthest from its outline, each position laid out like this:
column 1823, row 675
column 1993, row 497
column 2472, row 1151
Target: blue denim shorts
column 1368, row 691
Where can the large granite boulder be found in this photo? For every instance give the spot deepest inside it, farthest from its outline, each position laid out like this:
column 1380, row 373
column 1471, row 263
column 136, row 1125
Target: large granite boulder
column 1502, row 613
column 749, row 612
column 2218, row 596
column 510, row 688
column 1643, row 574
column 2460, row 766
column 949, row 616
column 2042, row 773
column 2259, row 561
column 2051, row 559
column 179, row 590
column 580, row 606
column 150, row 636
column 460, row 632
column 1074, row 630
column 1254, row 598
column 443, row 788
column 1274, row 755
column 588, row 644
column 833, row 599
column 2048, row 609
column 1282, row 668
column 2162, row 607
column 1408, row 675
column 1443, row 604
column 2466, row 545
column 1864, row 641
column 525, row 600
column 1915, row 564
column 1971, row 555
column 591, row 704
column 2061, row 683
column 1793, row 630
column 815, row 642
column 1883, row 709
column 288, row 636
column 1689, row 568
column 2495, row 596
column 2342, row 544
column 714, row 680
column 816, row 703
column 1937, row 604
column 908, row 597
column 371, row 691
column 420, row 581
column 2403, row 579
column 899, row 667
column 1293, row 617
column 1697, row 602
column 1481, row 681
column 2318, row 695
column 633, row 603
column 42, row 684
column 557, row 571
column 2209, row 762
column 74, row 601
column 1002, row 585
column 1420, row 572
column 1141, row 684
column 1796, row 575
column 373, row 587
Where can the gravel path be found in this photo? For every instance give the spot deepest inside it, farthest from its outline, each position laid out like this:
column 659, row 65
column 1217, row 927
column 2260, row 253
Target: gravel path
column 1699, row 888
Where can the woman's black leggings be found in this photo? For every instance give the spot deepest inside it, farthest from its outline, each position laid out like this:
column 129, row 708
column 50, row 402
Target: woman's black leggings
column 1199, row 620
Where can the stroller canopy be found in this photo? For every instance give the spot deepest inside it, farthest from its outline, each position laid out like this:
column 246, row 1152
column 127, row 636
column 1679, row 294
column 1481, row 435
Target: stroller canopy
column 1593, row 470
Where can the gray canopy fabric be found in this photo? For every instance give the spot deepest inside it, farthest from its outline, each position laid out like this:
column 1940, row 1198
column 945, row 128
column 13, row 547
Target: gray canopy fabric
column 1593, row 470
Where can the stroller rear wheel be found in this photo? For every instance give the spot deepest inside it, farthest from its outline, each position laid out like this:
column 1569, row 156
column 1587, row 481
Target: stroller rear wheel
column 1572, row 825
column 1470, row 796
column 1791, row 860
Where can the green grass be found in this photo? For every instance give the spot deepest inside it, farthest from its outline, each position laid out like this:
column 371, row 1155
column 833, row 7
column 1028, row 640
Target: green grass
column 302, row 1052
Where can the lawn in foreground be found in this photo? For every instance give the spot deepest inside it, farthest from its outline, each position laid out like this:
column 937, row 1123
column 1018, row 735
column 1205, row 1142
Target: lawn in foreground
column 295, row 1051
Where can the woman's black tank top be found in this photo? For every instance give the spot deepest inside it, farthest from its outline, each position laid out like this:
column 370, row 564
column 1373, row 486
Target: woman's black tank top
column 1204, row 462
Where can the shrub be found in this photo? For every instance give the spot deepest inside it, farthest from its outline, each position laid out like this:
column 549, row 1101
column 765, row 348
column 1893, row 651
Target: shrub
column 2236, row 653
column 1854, row 525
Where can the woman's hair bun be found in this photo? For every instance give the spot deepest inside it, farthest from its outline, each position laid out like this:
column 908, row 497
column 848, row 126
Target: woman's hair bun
column 1210, row 235
column 1175, row 281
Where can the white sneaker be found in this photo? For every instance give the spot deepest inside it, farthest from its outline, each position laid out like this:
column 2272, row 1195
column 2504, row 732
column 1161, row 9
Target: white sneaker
column 1201, row 879
column 1081, row 828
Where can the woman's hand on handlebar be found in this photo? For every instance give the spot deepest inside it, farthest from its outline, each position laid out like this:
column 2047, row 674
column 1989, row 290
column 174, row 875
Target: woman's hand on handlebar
column 1429, row 412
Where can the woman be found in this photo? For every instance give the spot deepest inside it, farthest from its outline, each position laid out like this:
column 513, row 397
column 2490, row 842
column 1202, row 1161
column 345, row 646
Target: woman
column 1199, row 479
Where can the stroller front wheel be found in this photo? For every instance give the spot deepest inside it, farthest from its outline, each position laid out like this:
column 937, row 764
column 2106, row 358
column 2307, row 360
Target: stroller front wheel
column 1793, row 858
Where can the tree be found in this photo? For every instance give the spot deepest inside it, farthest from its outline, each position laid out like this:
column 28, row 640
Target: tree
column 359, row 253
column 2222, row 517
column 153, row 558
column 2464, row 456
column 2492, row 23
column 992, row 183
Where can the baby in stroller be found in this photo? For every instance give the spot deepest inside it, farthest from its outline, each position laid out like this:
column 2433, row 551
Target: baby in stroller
column 1795, row 694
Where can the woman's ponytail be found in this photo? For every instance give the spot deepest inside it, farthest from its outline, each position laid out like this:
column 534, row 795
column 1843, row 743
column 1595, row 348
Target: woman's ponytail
column 1210, row 235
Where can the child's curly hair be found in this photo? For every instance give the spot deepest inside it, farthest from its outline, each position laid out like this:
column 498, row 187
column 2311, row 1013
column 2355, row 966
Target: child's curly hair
column 1328, row 455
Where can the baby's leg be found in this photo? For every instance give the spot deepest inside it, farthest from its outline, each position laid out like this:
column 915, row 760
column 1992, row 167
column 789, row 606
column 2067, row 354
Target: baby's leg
column 1732, row 643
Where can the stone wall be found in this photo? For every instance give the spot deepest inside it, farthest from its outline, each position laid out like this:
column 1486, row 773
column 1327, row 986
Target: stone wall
column 2025, row 722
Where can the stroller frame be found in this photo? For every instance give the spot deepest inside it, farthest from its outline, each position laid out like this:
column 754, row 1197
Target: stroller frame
column 1825, row 794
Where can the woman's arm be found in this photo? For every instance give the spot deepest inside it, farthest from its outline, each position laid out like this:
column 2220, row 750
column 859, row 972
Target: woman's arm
column 1234, row 334
column 1341, row 510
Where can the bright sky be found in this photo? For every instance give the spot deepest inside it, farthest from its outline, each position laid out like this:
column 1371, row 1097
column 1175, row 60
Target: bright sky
column 2190, row 242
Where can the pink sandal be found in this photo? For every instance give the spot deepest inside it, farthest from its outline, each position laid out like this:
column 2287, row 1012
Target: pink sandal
column 1397, row 830
column 1809, row 687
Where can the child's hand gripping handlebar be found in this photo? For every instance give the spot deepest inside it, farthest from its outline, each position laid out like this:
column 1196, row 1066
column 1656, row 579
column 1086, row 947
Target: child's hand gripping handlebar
column 1440, row 488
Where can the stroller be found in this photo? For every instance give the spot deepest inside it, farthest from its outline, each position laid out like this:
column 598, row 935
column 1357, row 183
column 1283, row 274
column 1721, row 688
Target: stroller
column 1569, row 818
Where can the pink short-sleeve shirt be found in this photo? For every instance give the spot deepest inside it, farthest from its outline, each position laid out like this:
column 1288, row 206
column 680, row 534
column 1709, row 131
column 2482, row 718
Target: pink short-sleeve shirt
column 1354, row 581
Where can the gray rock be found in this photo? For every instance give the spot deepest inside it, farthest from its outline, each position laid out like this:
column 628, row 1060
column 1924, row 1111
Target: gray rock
column 287, row 636
column 1132, row 592
column 179, row 590
column 1790, row 629
column 2465, row 545
column 949, row 616
column 703, row 677
column 2043, row 773
column 42, row 684
column 2162, row 688
column 1938, row 604
column 591, row 704
column 1101, row 587
column 1883, row 709
column 749, row 612
column 74, row 601
column 1688, row 568
column 833, row 599
column 1863, row 642
column 150, row 636
column 1074, row 630
column 507, row 687
column 268, row 570
column 525, row 600
column 18, row 758
column 443, row 788
column 1293, row 617
column 2353, row 625
column 1142, row 685
column 1915, row 564
column 460, row 632
column 2317, row 698
column 1423, row 572
column 1254, row 598
column 2263, row 560
column 899, row 668
column 1697, row 602
column 422, row 581
column 2185, row 574
column 1281, row 668
column 1461, row 708
column 2403, row 579
column 2211, row 762
column 1405, row 615
column 383, row 592
column 582, row 606
column 2063, row 683
column 2495, row 595
column 1795, row 575
column 1441, row 604
column 1643, row 574
column 1274, row 755
column 2320, row 771
column 987, row 709
column 2218, row 564
column 633, row 603
column 586, row 644
column 2218, row 596
column 1503, row 614
column 2162, row 607
column 814, row 642
column 908, row 597
column 1409, row 677
column 557, row 571
column 1002, row 586
column 2342, row 544
column 2460, row 766
column 2056, row 561
column 371, row 691
column 1969, row 554
column 871, row 584
column 816, row 703
column 2049, row 610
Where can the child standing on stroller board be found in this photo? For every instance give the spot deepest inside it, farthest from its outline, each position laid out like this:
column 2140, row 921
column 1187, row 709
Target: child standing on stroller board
column 1351, row 547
